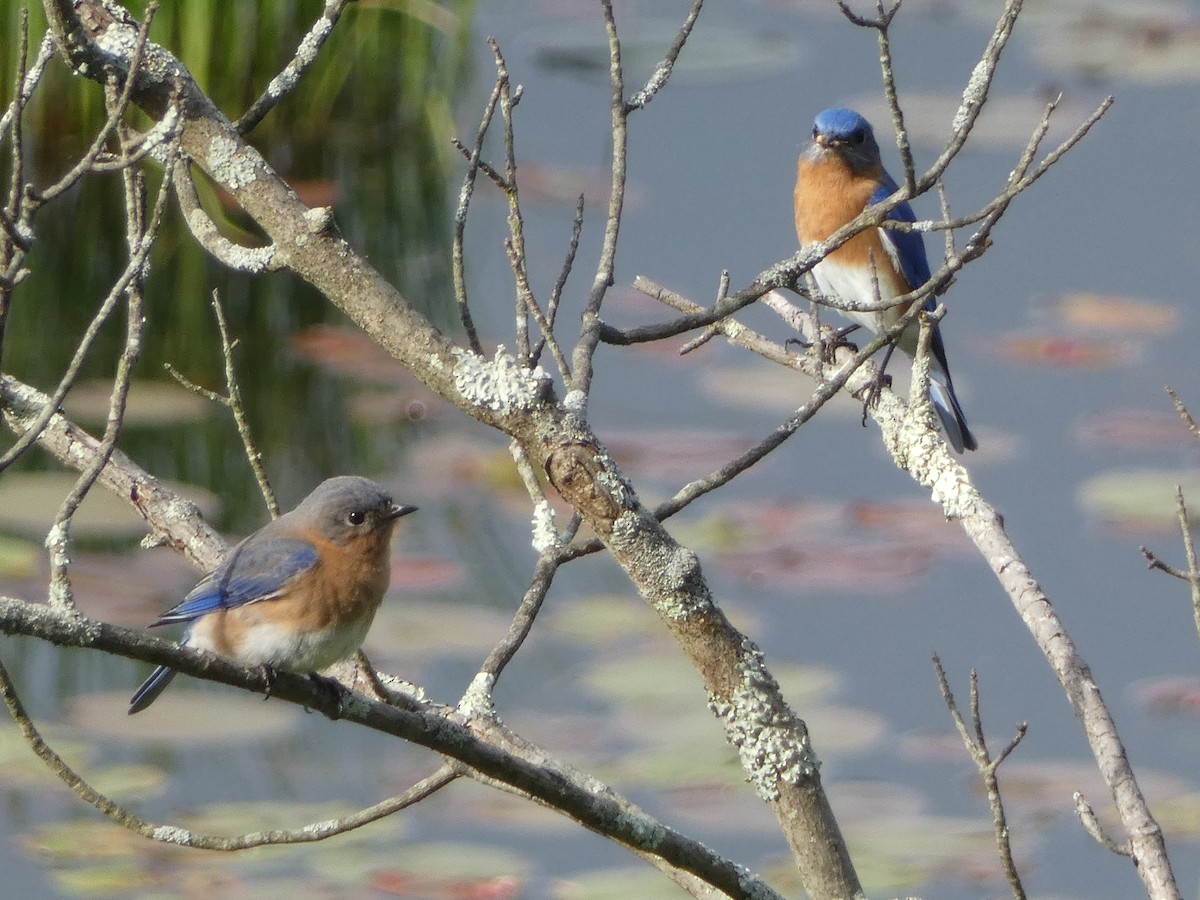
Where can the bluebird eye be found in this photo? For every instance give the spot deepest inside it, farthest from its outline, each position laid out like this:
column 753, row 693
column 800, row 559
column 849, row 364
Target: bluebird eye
column 357, row 517
column 858, row 137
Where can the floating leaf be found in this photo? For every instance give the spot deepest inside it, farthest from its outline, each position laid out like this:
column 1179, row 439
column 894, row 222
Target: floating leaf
column 1163, row 51
column 29, row 502
column 1047, row 787
column 130, row 590
column 643, row 883
column 717, row 54
column 18, row 558
column 133, row 780
column 1168, row 696
column 1121, row 314
column 674, row 454
column 1069, row 353
column 548, row 183
column 1140, row 499
column 1133, row 428
column 765, row 387
column 417, row 572
column 185, row 716
column 1006, row 122
column 80, row 840
column 20, row 767
column 603, row 619
column 350, row 352
column 111, row 880
column 1179, row 815
column 476, row 805
column 933, row 746
column 409, row 632
column 150, row 404
column 435, row 865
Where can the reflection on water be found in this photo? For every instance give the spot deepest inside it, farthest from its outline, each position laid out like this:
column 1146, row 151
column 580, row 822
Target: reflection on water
column 365, row 132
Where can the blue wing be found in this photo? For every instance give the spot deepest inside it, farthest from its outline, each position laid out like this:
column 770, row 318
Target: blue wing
column 909, row 245
column 255, row 570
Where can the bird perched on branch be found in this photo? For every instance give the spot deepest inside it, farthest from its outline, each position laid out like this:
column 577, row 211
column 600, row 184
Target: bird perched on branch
column 839, row 175
column 300, row 593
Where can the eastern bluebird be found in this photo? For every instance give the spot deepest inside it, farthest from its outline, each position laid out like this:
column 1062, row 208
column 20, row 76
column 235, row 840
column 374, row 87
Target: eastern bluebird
column 838, row 175
column 297, row 595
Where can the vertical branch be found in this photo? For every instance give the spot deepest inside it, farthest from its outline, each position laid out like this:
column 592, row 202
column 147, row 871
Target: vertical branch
column 976, row 743
column 140, row 235
column 563, row 274
column 14, row 245
column 458, row 268
column 589, row 338
column 516, row 222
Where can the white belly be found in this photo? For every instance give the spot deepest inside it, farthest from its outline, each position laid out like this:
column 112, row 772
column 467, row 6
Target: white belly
column 853, row 284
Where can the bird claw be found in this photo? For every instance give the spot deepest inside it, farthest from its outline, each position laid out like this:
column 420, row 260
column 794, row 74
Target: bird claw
column 874, row 389
column 337, row 691
column 269, row 676
column 829, row 344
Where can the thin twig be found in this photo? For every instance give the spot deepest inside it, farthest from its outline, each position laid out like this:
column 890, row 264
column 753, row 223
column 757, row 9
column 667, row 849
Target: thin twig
column 662, row 72
column 1192, row 573
column 474, row 163
column 287, row 80
column 232, row 401
column 976, row 743
column 563, row 274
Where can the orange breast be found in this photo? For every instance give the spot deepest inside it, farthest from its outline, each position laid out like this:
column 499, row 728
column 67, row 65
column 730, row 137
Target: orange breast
column 827, row 196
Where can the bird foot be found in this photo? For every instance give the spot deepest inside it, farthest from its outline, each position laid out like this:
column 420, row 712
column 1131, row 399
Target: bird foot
column 337, row 691
column 870, row 394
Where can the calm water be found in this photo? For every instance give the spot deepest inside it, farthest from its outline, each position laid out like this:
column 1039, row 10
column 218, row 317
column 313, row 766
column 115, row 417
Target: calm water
column 711, row 167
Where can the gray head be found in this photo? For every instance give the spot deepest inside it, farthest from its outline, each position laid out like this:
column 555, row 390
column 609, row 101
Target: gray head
column 347, row 506
column 849, row 135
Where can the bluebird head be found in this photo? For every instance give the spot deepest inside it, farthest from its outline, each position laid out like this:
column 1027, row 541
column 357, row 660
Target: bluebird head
column 849, row 135
column 348, row 506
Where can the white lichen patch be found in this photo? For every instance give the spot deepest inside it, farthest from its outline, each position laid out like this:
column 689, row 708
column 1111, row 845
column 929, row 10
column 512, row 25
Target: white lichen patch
column 318, row 219
column 575, row 401
column 231, row 164
column 477, row 701
column 501, row 384
column 545, row 534
column 613, row 483
column 771, row 742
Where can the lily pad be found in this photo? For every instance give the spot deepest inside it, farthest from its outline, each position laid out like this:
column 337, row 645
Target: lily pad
column 18, row 558
column 185, row 717
column 29, row 502
column 643, row 882
column 20, row 767
column 1141, row 499
column 149, row 404
column 1168, row 696
column 1124, row 315
column 429, row 864
column 1065, row 352
column 1166, row 51
column 714, row 54
column 116, row 879
column 1133, row 428
column 1006, row 122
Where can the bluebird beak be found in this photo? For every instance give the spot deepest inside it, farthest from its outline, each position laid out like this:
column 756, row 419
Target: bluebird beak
column 397, row 511
column 823, row 140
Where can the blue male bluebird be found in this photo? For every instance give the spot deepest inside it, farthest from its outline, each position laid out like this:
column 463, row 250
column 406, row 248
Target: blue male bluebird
column 838, row 176
column 297, row 595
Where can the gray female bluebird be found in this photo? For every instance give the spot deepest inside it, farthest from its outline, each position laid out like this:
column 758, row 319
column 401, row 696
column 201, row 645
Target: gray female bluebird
column 297, row 595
